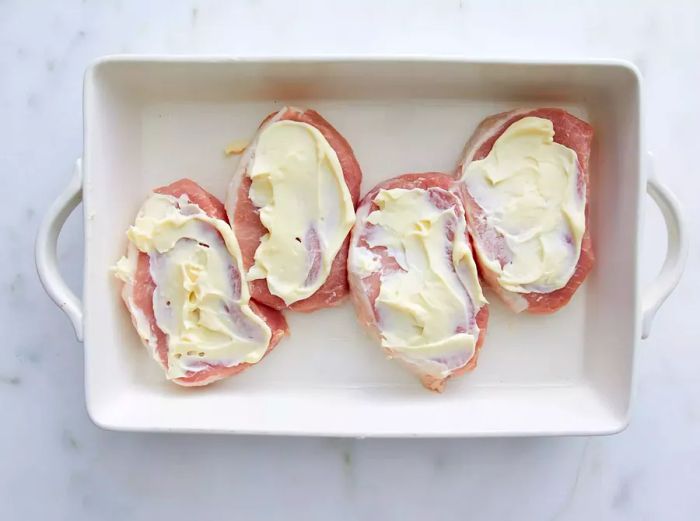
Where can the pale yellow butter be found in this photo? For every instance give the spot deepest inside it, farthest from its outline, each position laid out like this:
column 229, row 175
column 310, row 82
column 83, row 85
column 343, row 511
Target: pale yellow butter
column 421, row 306
column 527, row 187
column 298, row 185
column 192, row 256
column 236, row 147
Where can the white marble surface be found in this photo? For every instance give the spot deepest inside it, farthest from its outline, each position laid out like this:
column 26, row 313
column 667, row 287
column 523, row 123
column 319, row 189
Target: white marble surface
column 55, row 464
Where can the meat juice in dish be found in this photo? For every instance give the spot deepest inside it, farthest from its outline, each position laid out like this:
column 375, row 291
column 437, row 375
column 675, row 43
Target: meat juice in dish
column 185, row 290
column 413, row 279
column 524, row 175
column 292, row 204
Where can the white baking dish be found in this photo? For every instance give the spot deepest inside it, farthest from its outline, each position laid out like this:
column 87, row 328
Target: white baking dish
column 149, row 121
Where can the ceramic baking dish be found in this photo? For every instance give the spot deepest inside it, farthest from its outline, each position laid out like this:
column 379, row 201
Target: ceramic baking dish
column 149, row 121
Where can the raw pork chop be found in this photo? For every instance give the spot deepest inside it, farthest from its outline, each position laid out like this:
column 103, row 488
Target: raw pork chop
column 245, row 218
column 138, row 294
column 569, row 131
column 366, row 285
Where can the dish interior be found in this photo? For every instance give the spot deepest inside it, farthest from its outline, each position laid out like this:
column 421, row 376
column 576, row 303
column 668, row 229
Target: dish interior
column 148, row 123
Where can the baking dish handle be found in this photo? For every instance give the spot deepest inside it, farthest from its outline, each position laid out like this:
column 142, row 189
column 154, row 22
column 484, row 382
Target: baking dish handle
column 45, row 252
column 676, row 249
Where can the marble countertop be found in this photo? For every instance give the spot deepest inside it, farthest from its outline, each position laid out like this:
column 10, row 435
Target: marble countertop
column 55, row 464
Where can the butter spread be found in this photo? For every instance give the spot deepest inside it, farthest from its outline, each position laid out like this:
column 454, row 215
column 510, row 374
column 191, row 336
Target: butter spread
column 528, row 189
column 297, row 183
column 236, row 147
column 201, row 301
column 426, row 308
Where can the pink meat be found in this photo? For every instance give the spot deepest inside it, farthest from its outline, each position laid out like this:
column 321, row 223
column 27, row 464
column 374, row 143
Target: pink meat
column 246, row 221
column 568, row 131
column 144, row 288
column 364, row 291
